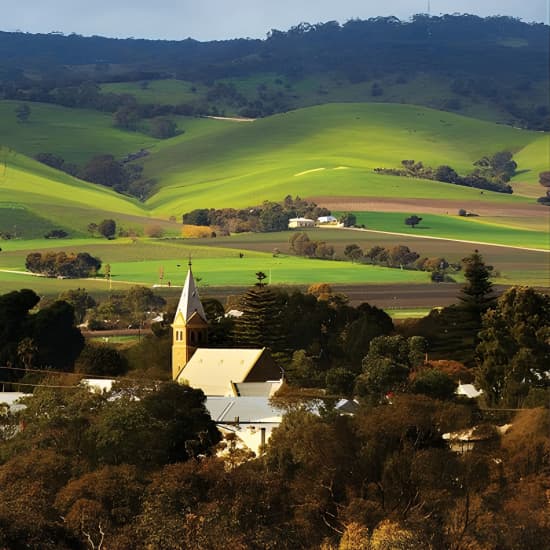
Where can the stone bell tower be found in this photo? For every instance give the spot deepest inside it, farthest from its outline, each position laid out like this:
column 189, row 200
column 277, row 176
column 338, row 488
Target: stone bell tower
column 189, row 329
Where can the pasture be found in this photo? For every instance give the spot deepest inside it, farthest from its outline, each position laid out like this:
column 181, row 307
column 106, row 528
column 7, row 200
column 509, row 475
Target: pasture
column 474, row 229
column 327, row 150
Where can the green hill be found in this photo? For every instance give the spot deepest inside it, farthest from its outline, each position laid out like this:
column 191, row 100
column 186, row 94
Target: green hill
column 36, row 198
column 329, row 150
column 74, row 134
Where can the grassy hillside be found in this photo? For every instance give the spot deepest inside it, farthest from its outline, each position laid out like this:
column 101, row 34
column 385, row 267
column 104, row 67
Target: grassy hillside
column 35, row 198
column 327, row 150
column 74, row 134
column 424, row 89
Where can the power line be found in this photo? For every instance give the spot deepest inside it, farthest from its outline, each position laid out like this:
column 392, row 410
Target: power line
column 66, row 386
column 81, row 374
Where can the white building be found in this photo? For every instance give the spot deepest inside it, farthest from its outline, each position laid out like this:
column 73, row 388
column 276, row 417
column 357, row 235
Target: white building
column 294, row 223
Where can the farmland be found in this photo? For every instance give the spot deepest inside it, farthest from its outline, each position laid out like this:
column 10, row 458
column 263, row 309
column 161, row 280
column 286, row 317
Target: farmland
column 326, row 152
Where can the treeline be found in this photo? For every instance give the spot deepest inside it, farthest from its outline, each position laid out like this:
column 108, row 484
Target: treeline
column 267, row 217
column 491, row 173
column 121, row 175
column 355, row 51
column 398, row 256
column 61, row 264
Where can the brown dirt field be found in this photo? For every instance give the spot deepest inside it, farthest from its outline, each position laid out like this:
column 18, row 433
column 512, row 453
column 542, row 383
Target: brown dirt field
column 429, row 206
column 394, row 296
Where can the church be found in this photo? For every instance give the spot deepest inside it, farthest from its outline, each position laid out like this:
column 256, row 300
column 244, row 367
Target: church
column 237, row 382
column 218, row 372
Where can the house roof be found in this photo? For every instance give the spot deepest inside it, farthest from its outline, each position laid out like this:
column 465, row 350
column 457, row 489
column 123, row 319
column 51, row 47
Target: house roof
column 216, row 370
column 189, row 301
column 301, row 220
column 244, row 409
column 12, row 400
column 469, row 390
column 257, row 389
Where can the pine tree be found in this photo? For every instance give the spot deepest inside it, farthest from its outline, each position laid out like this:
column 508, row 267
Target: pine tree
column 261, row 324
column 477, row 295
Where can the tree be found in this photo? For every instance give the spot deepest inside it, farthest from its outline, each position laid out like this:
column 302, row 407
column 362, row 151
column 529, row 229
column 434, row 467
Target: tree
column 81, row 302
column 477, row 294
column 163, row 128
column 105, row 170
column 387, row 365
column 14, row 327
column 58, row 341
column 433, row 383
column 348, row 219
column 107, row 228
column 261, row 324
column 358, row 334
column 140, row 300
column 101, row 360
column 353, row 252
column 513, row 353
column 544, row 180
column 446, row 174
column 22, row 112
column 413, row 220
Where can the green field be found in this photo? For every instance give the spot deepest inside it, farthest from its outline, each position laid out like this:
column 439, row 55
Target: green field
column 473, row 229
column 323, row 151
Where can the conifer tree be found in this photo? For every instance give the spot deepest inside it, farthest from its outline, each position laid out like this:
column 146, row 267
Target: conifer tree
column 477, row 295
column 261, row 324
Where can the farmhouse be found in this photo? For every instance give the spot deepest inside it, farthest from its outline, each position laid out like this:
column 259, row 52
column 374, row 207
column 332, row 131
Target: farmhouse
column 324, row 220
column 294, row 223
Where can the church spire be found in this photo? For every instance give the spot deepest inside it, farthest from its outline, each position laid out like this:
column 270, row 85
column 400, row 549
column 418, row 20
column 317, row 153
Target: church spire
column 189, row 301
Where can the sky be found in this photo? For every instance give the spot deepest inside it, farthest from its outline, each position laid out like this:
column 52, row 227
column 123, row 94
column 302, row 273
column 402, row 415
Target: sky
column 222, row 19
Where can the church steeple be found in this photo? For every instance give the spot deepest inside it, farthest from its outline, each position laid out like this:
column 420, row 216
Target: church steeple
column 189, row 329
column 189, row 301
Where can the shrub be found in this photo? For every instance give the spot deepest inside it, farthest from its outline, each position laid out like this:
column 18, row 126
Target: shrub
column 196, row 231
column 154, row 231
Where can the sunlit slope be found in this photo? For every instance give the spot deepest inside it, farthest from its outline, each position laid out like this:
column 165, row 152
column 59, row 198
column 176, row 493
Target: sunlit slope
column 533, row 159
column 324, row 150
column 49, row 196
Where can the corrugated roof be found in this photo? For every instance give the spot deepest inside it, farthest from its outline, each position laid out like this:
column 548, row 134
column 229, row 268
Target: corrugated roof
column 245, row 409
column 190, row 300
column 214, row 370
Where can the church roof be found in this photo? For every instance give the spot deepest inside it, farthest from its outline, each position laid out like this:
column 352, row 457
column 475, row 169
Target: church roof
column 216, row 371
column 189, row 300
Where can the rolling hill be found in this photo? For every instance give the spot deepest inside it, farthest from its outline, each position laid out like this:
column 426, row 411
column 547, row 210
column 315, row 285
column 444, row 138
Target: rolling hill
column 326, row 152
